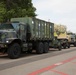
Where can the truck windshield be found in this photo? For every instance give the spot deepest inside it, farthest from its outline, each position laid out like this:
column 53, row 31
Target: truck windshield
column 16, row 26
column 6, row 26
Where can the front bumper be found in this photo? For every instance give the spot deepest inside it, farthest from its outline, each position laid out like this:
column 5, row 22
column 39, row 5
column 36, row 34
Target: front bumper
column 3, row 45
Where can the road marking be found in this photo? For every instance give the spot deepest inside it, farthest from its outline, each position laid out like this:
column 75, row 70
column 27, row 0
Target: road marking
column 58, row 64
column 42, row 70
column 52, row 66
column 61, row 73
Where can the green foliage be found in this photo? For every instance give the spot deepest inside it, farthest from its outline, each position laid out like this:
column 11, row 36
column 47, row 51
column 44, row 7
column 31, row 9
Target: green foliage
column 2, row 11
column 16, row 8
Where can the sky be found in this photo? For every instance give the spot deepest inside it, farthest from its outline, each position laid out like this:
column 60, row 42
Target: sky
column 57, row 11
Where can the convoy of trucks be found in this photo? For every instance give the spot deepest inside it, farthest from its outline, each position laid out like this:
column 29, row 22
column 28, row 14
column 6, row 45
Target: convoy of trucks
column 27, row 34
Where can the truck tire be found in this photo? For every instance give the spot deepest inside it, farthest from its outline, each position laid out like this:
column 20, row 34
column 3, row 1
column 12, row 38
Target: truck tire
column 75, row 44
column 14, row 51
column 39, row 48
column 64, row 46
column 46, row 47
column 29, row 51
column 60, row 48
column 68, row 46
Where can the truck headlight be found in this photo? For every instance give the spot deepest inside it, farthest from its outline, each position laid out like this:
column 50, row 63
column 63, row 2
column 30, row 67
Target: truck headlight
column 7, row 41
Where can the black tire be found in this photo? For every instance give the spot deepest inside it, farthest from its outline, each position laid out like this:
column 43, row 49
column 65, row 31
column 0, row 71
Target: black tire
column 39, row 48
column 46, row 47
column 75, row 44
column 29, row 51
column 68, row 46
column 14, row 51
column 60, row 48
column 64, row 46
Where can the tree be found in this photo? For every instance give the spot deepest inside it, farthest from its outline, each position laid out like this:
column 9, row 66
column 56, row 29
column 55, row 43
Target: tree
column 2, row 11
column 16, row 8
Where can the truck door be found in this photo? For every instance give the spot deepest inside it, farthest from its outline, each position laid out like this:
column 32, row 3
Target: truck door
column 23, row 32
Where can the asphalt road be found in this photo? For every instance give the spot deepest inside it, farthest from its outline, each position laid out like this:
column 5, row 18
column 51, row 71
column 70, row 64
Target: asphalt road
column 28, row 63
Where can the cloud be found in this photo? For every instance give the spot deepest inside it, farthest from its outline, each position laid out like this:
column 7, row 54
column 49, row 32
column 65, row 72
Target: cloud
column 58, row 11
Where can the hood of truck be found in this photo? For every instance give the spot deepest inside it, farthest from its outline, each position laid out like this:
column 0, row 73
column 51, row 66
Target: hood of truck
column 7, row 35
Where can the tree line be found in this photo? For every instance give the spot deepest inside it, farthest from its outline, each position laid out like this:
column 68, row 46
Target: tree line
column 16, row 8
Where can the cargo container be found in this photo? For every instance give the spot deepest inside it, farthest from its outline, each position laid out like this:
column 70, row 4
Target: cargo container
column 27, row 34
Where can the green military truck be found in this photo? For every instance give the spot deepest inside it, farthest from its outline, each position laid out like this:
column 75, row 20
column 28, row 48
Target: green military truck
column 26, row 34
column 72, row 39
column 64, row 43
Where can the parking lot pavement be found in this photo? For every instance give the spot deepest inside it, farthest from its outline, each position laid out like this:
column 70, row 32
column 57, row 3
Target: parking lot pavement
column 53, row 63
column 66, row 67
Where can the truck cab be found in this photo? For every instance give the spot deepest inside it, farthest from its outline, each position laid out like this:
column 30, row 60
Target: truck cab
column 56, row 44
column 13, row 38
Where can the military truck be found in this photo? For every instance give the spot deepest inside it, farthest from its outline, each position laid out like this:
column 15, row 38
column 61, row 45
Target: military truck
column 64, row 43
column 26, row 34
column 72, row 38
column 60, row 32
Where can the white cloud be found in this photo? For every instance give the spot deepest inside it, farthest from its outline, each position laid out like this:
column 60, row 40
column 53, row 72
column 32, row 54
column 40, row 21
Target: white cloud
column 58, row 11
